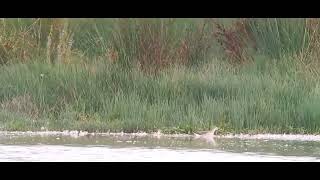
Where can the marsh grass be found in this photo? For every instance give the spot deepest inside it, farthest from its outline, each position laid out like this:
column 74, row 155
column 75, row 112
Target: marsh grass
column 148, row 74
column 177, row 100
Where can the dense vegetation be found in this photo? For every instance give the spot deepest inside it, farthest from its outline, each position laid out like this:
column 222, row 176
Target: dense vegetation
column 177, row 75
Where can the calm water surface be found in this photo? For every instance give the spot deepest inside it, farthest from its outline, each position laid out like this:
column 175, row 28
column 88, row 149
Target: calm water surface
column 129, row 148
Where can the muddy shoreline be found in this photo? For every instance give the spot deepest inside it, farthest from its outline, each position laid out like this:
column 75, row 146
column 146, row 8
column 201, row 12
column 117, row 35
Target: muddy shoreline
column 75, row 134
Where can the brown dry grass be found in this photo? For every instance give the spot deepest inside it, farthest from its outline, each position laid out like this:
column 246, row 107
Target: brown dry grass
column 309, row 61
column 235, row 40
column 17, row 43
column 152, row 45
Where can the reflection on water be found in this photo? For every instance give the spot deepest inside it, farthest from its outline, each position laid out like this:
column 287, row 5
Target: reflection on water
column 133, row 148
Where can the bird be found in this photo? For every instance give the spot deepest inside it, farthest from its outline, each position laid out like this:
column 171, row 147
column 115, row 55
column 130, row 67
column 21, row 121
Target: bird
column 207, row 135
column 157, row 134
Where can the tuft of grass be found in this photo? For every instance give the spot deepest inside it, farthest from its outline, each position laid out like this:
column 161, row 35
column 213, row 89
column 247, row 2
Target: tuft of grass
column 278, row 37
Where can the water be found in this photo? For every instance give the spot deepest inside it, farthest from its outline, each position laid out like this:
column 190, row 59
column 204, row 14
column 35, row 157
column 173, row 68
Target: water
column 144, row 149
